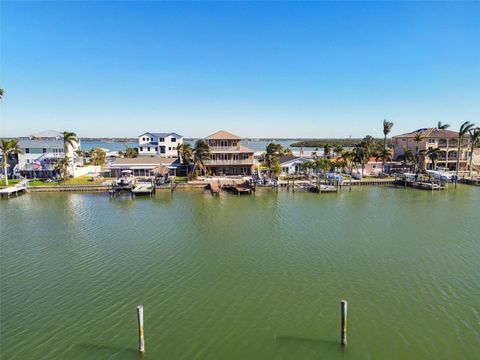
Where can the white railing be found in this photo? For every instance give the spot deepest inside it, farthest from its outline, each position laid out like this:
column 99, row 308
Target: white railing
column 224, row 148
column 229, row 162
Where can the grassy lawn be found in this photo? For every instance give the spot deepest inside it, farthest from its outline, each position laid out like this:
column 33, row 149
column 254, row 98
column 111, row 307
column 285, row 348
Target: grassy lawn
column 81, row 180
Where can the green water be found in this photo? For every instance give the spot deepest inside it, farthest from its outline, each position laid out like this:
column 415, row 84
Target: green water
column 250, row 277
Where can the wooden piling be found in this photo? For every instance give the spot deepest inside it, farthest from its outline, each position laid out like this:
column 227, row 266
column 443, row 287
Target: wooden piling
column 343, row 335
column 141, row 339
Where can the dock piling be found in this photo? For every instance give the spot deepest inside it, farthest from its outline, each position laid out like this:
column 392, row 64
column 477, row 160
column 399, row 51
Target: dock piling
column 141, row 339
column 343, row 335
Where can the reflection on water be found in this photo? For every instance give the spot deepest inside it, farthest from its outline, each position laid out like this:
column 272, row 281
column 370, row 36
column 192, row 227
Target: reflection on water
column 238, row 277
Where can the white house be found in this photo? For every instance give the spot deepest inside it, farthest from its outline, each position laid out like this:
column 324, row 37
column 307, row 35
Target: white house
column 291, row 164
column 159, row 144
column 40, row 152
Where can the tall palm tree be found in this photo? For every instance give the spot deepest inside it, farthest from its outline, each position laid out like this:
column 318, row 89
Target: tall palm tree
column 464, row 129
column 418, row 138
column 441, row 126
column 185, row 152
column 474, row 142
column 200, row 154
column 433, row 154
column 2, row 92
column 69, row 139
column 408, row 156
column 8, row 147
column 361, row 156
column 387, row 127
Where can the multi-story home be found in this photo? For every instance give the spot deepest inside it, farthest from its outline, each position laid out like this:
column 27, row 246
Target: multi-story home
column 228, row 156
column 445, row 140
column 41, row 151
column 159, row 144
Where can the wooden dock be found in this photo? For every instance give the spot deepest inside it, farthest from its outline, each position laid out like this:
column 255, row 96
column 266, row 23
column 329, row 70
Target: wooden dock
column 215, row 187
column 422, row 185
column 15, row 189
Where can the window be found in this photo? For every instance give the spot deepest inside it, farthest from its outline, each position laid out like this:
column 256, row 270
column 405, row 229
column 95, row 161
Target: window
column 431, row 141
column 28, row 161
column 245, row 156
column 161, row 139
column 44, row 150
column 174, row 139
column 148, row 148
column 143, row 139
column 27, row 150
column 141, row 148
column 156, row 148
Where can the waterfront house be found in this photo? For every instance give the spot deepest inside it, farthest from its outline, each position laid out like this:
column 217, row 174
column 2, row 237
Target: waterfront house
column 228, row 156
column 159, row 144
column 143, row 166
column 40, row 152
column 292, row 164
column 446, row 140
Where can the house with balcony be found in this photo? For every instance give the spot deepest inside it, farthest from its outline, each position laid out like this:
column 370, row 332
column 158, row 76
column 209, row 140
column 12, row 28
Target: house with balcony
column 40, row 152
column 445, row 140
column 228, row 156
column 159, row 144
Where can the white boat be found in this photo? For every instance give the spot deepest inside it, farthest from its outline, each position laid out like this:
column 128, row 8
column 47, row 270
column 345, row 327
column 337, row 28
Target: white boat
column 356, row 176
column 143, row 187
column 440, row 174
column 410, row 177
column 332, row 177
column 126, row 179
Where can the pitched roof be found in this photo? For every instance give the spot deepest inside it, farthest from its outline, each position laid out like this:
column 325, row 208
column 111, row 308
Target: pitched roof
column 289, row 158
column 245, row 149
column 430, row 133
column 40, row 143
column 162, row 135
column 47, row 134
column 223, row 135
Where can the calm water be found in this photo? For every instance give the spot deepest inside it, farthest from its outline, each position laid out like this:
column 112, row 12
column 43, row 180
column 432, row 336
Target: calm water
column 254, row 277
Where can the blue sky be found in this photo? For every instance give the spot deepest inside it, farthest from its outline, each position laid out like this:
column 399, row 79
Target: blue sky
column 258, row 69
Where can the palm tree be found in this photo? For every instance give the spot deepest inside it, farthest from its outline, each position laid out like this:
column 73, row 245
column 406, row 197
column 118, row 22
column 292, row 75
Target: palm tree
column 474, row 142
column 433, row 154
column 327, row 149
column 387, row 127
column 418, row 138
column 8, row 147
column 464, row 129
column 361, row 156
column 407, row 156
column 338, row 150
column 441, row 126
column 98, row 157
column 185, row 152
column 2, row 92
column 200, row 154
column 69, row 139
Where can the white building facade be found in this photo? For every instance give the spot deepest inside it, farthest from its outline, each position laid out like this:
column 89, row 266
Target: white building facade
column 41, row 151
column 159, row 144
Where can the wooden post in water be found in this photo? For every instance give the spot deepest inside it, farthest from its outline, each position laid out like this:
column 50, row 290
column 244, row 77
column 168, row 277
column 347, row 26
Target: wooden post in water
column 141, row 339
column 343, row 335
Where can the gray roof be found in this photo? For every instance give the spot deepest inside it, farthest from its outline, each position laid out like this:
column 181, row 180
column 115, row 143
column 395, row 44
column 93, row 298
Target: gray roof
column 162, row 135
column 53, row 143
column 288, row 158
column 47, row 134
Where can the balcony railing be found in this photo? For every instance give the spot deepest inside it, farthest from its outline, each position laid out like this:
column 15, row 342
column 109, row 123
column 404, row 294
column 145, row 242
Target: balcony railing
column 229, row 162
column 224, row 148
